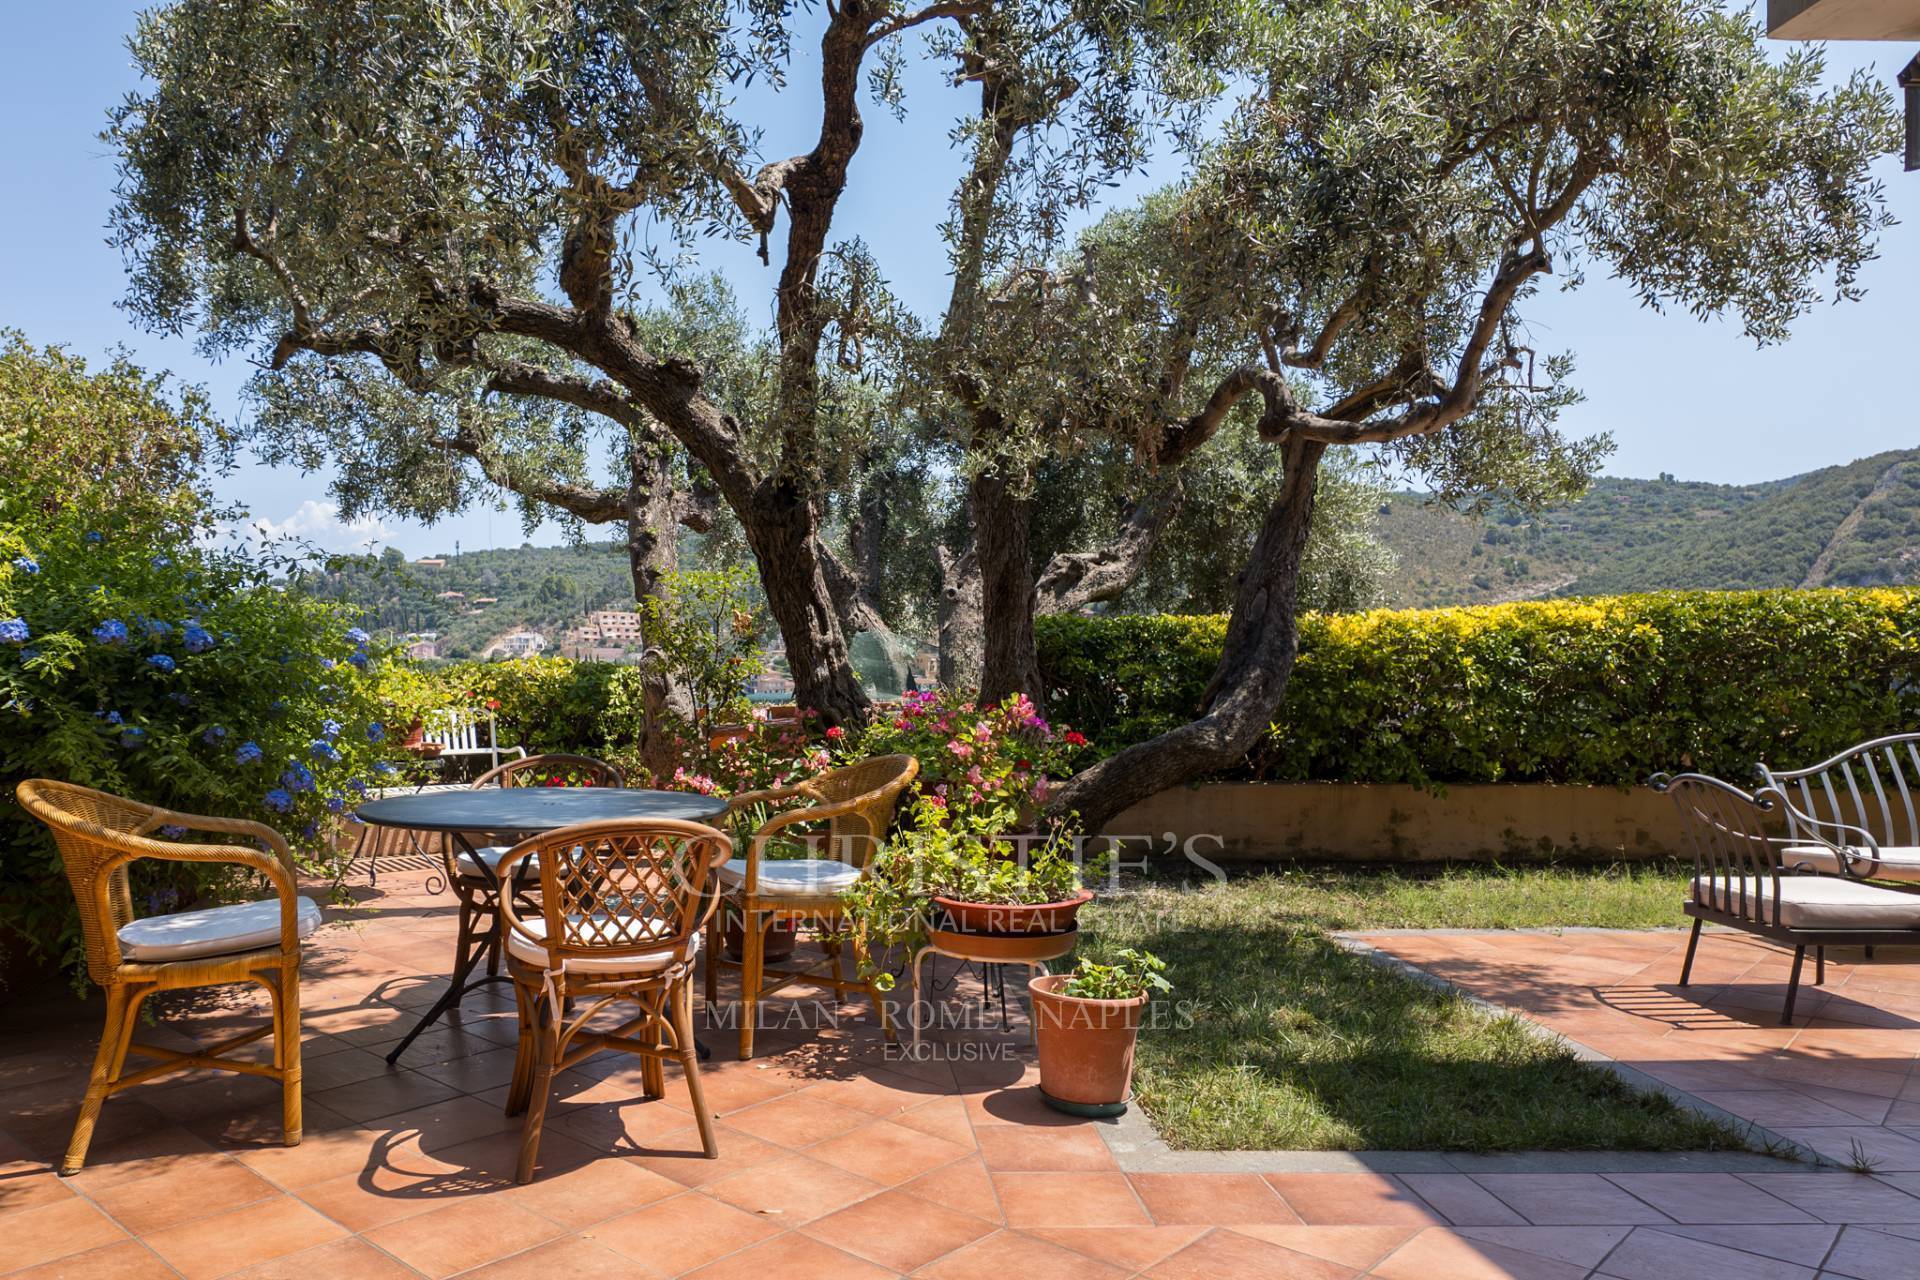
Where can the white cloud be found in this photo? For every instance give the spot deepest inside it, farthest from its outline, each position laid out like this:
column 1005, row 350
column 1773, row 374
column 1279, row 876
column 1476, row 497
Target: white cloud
column 319, row 523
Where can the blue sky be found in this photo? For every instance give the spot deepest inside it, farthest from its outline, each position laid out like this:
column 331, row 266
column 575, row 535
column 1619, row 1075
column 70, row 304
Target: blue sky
column 1696, row 399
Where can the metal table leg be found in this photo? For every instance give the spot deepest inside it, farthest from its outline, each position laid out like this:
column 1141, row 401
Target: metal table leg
column 487, row 946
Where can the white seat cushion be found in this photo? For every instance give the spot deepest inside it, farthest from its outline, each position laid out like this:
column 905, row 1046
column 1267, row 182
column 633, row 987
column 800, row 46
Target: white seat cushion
column 1896, row 863
column 794, row 877
column 491, row 855
column 528, row 951
column 1824, row 902
column 213, row 931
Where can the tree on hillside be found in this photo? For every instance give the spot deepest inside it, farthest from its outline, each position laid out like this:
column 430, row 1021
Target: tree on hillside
column 1346, row 264
column 464, row 198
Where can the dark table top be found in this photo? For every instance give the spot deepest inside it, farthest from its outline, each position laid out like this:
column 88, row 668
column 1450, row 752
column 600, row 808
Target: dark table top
column 531, row 810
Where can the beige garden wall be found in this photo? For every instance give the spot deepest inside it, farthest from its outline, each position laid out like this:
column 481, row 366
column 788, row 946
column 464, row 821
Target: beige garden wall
column 1383, row 822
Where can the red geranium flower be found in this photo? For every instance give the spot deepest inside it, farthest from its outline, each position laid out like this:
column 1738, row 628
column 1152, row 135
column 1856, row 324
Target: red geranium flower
column 1075, row 739
column 836, row 732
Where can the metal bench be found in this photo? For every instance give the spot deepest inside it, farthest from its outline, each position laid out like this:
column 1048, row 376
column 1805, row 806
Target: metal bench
column 460, row 733
column 1862, row 806
column 1742, row 879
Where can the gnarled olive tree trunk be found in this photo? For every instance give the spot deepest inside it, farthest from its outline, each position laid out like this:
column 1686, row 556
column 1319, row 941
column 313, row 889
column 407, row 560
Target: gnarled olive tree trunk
column 1245, row 693
column 1003, row 549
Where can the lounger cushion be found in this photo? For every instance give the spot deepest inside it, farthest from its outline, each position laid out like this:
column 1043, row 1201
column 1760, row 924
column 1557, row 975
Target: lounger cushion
column 528, row 951
column 1822, row 902
column 491, row 855
column 1896, row 863
column 213, row 931
column 794, row 877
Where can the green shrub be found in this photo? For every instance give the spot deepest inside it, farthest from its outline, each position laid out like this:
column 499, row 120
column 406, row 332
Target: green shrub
column 1600, row 691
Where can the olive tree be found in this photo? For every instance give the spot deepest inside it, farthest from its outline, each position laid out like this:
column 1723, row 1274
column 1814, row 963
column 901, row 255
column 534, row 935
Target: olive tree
column 1348, row 264
column 465, row 199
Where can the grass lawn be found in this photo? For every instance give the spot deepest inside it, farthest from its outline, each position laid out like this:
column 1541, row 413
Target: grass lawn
column 1294, row 1044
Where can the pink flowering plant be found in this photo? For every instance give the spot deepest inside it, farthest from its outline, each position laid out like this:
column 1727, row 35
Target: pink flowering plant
column 973, row 757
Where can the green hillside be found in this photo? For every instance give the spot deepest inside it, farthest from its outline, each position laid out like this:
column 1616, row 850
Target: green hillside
column 1851, row 525
column 542, row 589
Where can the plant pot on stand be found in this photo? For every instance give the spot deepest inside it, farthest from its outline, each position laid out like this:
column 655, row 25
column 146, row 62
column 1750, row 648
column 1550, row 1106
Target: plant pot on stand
column 1086, row 1047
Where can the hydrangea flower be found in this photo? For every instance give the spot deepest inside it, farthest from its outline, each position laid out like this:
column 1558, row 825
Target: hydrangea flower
column 278, row 800
column 114, row 717
column 309, row 831
column 359, row 637
column 384, row 769
column 163, row 562
column 328, row 664
column 376, row 731
column 329, row 728
column 359, row 659
column 172, row 831
column 95, row 536
column 112, row 631
column 297, row 777
column 156, row 627
column 248, row 753
column 26, row 564
column 213, row 734
column 14, row 631
column 323, row 750
column 160, row 662
column 133, row 736
column 181, row 699
column 198, row 639
column 336, row 804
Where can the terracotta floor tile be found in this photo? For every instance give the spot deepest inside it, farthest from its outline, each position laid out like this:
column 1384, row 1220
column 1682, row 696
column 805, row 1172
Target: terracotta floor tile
column 29, row 1187
column 348, row 1259
column 1129, row 1248
column 1352, row 1199
column 568, row 1258
column 1007, row 1254
column 887, row 1152
column 1069, row 1200
column 1017, row 1148
column 385, row 1095
column 797, row 1120
column 182, row 1194
column 1437, row 1252
column 1210, row 1199
column 794, row 1257
column 1568, row 1199
column 1356, row 1247
column 1649, row 1254
column 963, row 1185
column 791, row 1191
column 878, row 1092
column 947, row 1118
column 462, row 1235
column 678, row 1155
column 1222, row 1252
column 128, row 1260
column 898, row 1230
column 56, row 1230
column 224, row 1242
column 679, row 1234
column 578, row 1194
column 404, row 1184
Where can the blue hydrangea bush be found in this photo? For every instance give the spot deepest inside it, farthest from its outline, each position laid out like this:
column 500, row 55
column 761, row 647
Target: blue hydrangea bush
column 152, row 665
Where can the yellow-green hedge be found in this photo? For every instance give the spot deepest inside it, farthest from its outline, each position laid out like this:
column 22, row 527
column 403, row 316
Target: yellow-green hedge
column 1604, row 690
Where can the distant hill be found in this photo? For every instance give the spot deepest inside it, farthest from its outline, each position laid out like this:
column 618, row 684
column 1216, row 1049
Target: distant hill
column 544, row 589
column 1851, row 525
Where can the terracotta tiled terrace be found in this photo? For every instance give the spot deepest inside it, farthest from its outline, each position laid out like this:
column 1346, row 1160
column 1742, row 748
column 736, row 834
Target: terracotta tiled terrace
column 841, row 1160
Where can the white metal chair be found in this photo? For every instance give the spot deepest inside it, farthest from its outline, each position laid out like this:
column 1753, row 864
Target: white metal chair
column 460, row 733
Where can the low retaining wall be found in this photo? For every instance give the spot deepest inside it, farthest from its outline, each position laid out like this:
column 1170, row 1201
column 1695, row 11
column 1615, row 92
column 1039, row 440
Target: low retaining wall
column 1393, row 822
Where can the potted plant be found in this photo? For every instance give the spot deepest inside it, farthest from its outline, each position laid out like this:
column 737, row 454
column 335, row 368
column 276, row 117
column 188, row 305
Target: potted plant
column 949, row 871
column 1086, row 1024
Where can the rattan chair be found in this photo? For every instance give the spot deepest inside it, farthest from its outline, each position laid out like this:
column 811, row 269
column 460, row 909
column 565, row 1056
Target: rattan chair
column 856, row 803
column 98, row 835
column 622, row 906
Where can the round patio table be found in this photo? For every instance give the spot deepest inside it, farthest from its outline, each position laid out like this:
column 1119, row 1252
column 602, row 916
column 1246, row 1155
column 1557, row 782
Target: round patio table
column 514, row 813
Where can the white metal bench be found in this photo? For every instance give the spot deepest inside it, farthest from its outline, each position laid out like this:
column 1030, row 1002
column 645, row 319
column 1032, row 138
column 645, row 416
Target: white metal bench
column 1862, row 806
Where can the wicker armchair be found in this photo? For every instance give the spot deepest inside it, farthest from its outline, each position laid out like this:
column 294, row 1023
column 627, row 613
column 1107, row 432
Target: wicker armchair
column 98, row 835
column 856, row 803
column 622, row 909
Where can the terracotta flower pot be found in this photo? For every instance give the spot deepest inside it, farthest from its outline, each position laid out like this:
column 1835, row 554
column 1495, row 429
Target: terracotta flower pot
column 1001, row 918
column 1086, row 1048
column 721, row 734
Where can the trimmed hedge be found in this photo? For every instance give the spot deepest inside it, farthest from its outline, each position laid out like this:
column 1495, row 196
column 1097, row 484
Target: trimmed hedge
column 1602, row 691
